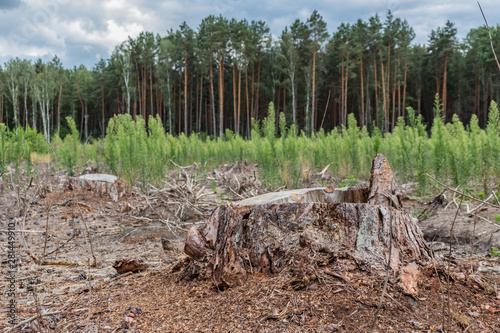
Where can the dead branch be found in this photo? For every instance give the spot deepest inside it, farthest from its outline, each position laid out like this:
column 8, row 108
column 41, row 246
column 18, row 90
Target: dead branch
column 61, row 246
column 485, row 219
column 28, row 231
column 181, row 167
column 479, row 208
column 461, row 193
column 49, row 206
column 317, row 142
column 30, row 319
column 53, row 262
column 473, row 237
column 489, row 32
column 94, row 264
column 448, row 271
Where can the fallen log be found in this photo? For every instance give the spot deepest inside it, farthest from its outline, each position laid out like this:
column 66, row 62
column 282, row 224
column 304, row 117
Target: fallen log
column 270, row 233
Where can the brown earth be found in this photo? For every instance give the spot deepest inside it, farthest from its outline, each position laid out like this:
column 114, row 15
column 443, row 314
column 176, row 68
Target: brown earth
column 152, row 226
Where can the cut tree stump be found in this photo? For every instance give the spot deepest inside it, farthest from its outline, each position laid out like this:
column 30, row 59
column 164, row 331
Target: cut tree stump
column 302, row 230
column 101, row 184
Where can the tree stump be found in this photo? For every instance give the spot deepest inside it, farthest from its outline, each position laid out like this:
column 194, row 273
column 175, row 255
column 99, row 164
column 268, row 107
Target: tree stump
column 101, row 184
column 304, row 229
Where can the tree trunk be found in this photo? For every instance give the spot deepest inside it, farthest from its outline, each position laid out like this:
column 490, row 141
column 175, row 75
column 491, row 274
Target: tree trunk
column 221, row 95
column 294, row 100
column 237, row 130
column 169, row 101
column 102, row 110
column 263, row 235
column 386, row 113
column 151, row 89
column 137, row 81
column 404, row 91
column 247, row 101
column 144, row 97
column 313, row 93
column 1, row 101
column 346, row 82
column 362, row 117
column 257, row 95
column 185, row 95
column 445, row 76
column 81, row 102
column 235, row 108
column 198, row 104
column 284, row 100
column 212, row 99
column 342, row 95
column 25, row 118
column 201, row 105
column 252, row 105
column 376, row 88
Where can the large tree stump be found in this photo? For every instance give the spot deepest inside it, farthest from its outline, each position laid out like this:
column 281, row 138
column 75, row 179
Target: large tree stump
column 269, row 233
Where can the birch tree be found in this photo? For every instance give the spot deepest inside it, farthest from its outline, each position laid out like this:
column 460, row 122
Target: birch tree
column 290, row 58
column 13, row 74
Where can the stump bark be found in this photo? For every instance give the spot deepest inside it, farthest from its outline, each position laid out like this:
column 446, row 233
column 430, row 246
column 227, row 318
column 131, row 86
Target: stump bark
column 304, row 229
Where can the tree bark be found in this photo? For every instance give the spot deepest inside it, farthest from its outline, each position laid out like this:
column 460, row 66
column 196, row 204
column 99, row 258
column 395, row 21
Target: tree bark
column 313, row 110
column 375, row 87
column 265, row 235
column 102, row 109
column 185, row 95
column 237, row 130
column 386, row 109
column 445, row 76
column 235, row 108
column 221, row 95
column 212, row 100
column 362, row 117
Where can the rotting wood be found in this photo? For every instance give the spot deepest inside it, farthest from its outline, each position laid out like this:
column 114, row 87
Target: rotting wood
column 261, row 236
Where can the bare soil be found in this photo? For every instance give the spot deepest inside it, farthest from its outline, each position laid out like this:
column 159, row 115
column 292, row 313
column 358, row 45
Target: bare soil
column 74, row 227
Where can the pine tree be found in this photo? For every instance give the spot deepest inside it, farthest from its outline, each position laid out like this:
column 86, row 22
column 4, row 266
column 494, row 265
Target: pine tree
column 318, row 34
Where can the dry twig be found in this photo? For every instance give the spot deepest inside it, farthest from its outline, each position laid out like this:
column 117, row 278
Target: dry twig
column 448, row 270
column 317, row 142
column 461, row 193
column 30, row 319
column 489, row 32
column 94, row 264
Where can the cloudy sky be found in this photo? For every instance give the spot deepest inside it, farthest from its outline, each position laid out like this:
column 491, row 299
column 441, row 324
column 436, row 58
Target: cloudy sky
column 82, row 32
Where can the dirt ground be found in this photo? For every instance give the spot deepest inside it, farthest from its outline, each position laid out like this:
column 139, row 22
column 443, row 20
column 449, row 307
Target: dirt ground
column 83, row 233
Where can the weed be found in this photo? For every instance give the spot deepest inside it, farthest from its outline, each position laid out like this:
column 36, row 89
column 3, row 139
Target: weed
column 494, row 252
column 348, row 181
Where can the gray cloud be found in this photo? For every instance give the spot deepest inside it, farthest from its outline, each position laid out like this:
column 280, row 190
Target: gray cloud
column 80, row 32
column 9, row 4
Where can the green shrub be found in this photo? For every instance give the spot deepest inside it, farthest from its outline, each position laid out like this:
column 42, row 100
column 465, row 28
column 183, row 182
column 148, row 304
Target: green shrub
column 69, row 150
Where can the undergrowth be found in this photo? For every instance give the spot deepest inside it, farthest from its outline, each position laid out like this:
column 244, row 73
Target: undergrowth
column 465, row 156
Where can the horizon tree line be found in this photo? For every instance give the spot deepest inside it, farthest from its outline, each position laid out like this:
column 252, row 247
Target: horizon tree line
column 225, row 72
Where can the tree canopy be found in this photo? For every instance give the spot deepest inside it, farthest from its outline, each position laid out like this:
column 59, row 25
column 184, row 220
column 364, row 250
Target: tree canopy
column 223, row 73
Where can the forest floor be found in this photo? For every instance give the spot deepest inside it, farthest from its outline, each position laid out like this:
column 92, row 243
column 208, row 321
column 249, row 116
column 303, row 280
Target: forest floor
column 74, row 228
